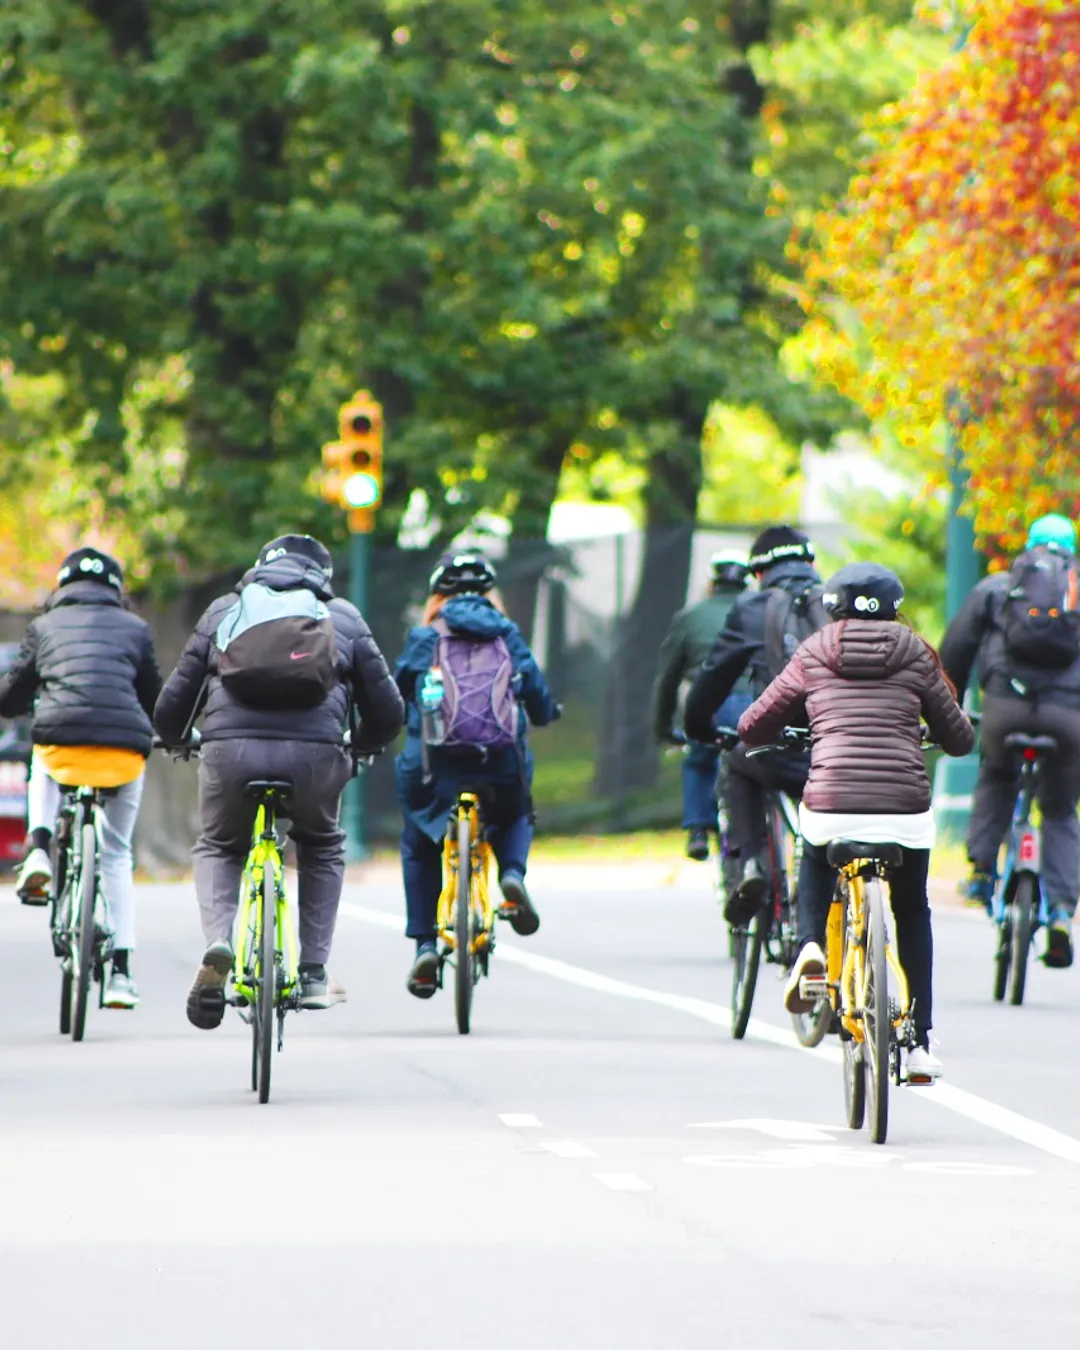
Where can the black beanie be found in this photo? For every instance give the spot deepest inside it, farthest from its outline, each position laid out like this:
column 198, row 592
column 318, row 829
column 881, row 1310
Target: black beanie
column 300, row 545
column 90, row 564
column 777, row 544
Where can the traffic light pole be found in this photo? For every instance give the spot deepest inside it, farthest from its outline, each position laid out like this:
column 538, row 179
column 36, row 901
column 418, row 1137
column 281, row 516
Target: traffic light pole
column 356, row 846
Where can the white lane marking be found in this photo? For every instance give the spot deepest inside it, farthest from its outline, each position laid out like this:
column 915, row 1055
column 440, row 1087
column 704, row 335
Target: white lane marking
column 856, row 1159
column 954, row 1099
column 567, row 1148
column 622, row 1181
column 794, row 1130
column 521, row 1122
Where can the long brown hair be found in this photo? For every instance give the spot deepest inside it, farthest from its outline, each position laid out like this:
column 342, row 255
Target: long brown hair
column 434, row 604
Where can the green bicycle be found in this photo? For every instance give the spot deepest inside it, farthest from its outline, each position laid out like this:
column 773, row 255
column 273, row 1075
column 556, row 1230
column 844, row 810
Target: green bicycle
column 266, row 974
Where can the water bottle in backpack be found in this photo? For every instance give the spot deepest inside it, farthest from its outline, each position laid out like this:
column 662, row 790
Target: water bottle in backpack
column 432, row 695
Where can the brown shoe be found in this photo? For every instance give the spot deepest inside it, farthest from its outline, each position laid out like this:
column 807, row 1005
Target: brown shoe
column 206, row 998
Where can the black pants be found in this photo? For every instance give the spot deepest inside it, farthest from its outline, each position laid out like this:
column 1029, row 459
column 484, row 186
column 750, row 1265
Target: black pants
column 999, row 778
column 747, row 780
column 911, row 910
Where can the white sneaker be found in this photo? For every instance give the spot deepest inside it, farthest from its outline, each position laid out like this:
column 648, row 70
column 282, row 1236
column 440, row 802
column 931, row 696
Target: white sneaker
column 809, row 965
column 121, row 992
column 922, row 1066
column 35, row 877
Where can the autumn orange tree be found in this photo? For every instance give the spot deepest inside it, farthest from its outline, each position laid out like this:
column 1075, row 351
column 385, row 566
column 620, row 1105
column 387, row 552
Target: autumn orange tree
column 948, row 281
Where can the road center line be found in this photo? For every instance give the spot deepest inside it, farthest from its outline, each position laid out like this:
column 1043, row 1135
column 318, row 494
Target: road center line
column 957, row 1100
column 521, row 1121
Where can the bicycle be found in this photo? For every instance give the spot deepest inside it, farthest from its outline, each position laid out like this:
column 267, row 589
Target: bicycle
column 266, row 970
column 1019, row 907
column 465, row 917
column 82, row 935
column 772, row 930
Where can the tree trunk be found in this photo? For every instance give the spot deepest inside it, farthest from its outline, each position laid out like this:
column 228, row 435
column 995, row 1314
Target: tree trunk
column 627, row 754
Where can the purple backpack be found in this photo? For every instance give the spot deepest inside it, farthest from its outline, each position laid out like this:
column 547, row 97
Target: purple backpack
column 479, row 708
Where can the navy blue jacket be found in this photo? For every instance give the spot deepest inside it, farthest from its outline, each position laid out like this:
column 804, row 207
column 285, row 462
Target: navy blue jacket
column 430, row 803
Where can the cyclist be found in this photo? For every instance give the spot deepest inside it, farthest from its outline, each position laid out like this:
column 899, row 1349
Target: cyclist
column 462, row 604
column 689, row 640
column 1030, row 675
column 782, row 560
column 87, row 669
column 288, row 731
column 866, row 682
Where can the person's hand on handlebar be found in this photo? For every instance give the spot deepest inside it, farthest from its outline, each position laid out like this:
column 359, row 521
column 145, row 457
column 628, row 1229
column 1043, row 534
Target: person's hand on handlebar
column 187, row 750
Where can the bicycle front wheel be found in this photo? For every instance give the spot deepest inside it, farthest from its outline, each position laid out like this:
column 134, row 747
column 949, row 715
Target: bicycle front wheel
column 463, row 961
column 265, row 995
column 1025, row 906
column 82, row 947
column 748, row 942
column 877, row 1027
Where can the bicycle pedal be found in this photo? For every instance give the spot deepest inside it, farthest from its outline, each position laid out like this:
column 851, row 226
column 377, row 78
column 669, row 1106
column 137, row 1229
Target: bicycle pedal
column 919, row 1080
column 813, row 987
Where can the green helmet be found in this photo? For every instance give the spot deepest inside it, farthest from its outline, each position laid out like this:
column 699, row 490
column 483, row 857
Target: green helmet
column 1053, row 531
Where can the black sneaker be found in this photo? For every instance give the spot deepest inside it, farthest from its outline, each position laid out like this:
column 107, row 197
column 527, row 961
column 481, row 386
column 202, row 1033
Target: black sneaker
column 750, row 896
column 697, row 845
column 206, row 998
column 519, row 909
column 1059, row 941
column 424, row 976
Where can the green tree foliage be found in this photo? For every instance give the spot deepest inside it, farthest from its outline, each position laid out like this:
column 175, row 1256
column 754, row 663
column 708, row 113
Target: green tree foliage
column 526, row 225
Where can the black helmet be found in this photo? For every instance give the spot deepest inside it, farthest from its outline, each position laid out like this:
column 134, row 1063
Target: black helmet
column 90, row 564
column 863, row 591
column 299, row 546
column 462, row 574
column 725, row 571
column 777, row 544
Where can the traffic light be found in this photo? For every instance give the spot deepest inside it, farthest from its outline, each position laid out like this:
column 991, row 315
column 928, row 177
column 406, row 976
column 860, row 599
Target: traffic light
column 353, row 468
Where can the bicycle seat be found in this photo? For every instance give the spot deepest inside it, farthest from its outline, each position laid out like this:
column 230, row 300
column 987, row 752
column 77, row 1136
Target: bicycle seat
column 1039, row 745
column 843, row 852
column 267, row 787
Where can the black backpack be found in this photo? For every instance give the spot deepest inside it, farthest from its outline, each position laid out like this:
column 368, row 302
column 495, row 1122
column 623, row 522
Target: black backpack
column 1040, row 617
column 791, row 616
column 277, row 649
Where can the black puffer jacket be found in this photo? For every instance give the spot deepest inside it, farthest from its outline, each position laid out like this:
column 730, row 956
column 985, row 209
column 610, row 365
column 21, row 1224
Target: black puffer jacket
column 361, row 669
column 976, row 641
column 865, row 685
column 87, row 668
column 740, row 646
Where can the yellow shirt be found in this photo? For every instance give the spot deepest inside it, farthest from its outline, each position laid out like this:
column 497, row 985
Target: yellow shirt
column 94, row 766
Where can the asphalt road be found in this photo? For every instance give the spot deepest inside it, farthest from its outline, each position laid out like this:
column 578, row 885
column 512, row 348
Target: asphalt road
column 597, row 1165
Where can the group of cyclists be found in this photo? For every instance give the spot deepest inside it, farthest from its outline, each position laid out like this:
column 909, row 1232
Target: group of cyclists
column 290, row 685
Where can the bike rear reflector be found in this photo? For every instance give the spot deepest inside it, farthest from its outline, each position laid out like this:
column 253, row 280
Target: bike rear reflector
column 1029, row 849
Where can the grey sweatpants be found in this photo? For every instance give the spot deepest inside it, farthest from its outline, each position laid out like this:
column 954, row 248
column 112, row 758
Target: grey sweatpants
column 999, row 777
column 318, row 774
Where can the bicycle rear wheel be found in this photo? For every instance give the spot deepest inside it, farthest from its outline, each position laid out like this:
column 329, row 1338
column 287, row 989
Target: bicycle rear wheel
column 1003, row 956
column 463, row 961
column 748, row 942
column 877, row 1027
column 265, row 995
column 82, row 948
column 1025, row 906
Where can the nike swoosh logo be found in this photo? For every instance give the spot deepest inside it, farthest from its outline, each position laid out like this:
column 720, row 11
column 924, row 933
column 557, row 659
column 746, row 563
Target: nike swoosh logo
column 298, row 656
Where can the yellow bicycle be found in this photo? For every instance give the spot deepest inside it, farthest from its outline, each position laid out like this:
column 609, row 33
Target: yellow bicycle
column 874, row 1016
column 466, row 916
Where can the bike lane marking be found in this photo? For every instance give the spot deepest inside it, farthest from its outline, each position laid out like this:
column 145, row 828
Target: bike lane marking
column 958, row 1100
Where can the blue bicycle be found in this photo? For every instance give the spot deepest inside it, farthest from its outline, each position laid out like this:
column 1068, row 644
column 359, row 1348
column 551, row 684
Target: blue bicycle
column 1019, row 906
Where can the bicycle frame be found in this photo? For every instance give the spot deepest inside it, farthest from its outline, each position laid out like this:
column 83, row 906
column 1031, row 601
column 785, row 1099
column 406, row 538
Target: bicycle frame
column 783, row 825
column 265, row 853
column 480, row 874
column 80, row 806
column 846, row 969
column 1024, row 852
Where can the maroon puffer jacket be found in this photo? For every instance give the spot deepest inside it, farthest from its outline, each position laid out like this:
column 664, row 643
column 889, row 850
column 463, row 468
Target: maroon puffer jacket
column 864, row 684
